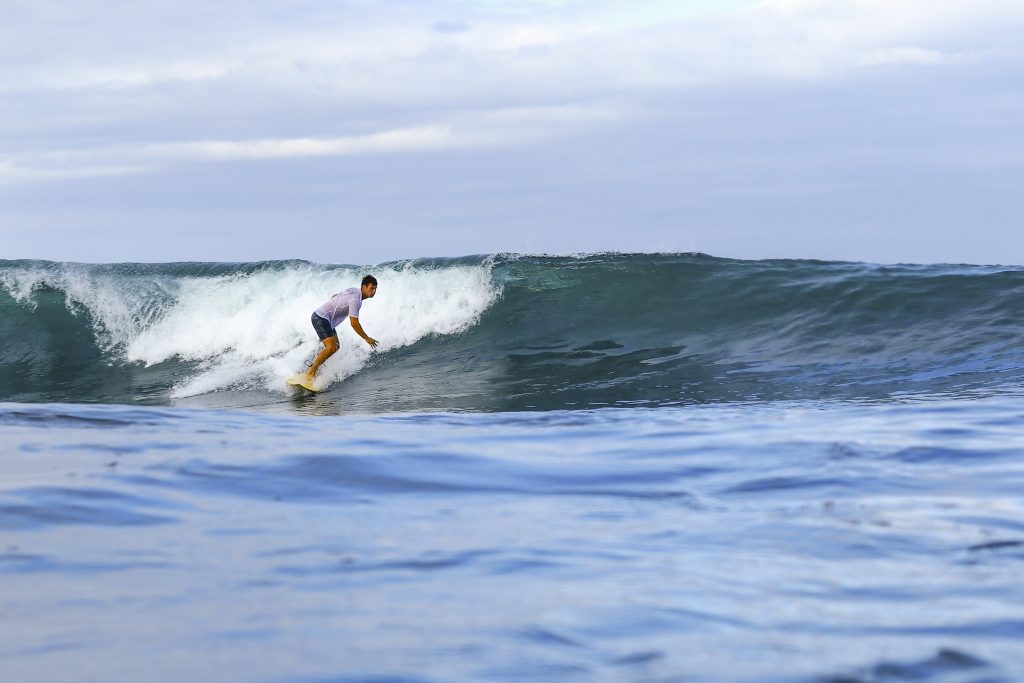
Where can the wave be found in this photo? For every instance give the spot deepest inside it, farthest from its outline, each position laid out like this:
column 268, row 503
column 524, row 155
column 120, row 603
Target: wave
column 510, row 332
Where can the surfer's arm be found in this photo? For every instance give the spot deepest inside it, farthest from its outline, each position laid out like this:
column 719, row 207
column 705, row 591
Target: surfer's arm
column 359, row 330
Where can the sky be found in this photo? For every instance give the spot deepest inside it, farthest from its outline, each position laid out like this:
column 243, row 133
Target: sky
column 361, row 132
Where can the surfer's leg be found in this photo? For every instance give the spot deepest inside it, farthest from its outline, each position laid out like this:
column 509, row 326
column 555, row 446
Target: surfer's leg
column 330, row 347
column 329, row 337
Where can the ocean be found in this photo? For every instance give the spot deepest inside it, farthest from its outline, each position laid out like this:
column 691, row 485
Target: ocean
column 605, row 467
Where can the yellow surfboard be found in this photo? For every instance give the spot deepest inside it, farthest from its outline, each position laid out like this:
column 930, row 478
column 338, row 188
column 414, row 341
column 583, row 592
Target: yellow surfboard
column 300, row 380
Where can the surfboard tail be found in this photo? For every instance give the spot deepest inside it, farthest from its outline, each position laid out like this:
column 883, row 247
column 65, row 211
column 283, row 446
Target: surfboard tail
column 301, row 380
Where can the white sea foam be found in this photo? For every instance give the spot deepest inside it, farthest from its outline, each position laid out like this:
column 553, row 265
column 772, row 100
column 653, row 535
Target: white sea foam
column 252, row 330
column 120, row 304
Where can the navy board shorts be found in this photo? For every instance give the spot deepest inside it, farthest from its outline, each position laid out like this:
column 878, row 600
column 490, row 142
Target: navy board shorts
column 323, row 327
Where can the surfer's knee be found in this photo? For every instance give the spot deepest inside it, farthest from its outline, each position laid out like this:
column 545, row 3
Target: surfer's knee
column 331, row 344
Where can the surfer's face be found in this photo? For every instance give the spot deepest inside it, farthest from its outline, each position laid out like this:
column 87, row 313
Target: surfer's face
column 368, row 291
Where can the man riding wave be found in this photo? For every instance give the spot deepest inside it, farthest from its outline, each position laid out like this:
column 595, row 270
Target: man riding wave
column 332, row 313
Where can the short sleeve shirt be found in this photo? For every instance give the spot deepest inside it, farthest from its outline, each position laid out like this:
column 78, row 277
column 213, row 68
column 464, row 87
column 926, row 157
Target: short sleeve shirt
column 340, row 306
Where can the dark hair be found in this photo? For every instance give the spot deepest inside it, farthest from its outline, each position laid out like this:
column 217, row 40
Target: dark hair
column 369, row 280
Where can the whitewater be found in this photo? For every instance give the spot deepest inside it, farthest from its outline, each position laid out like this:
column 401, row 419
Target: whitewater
column 243, row 327
column 601, row 467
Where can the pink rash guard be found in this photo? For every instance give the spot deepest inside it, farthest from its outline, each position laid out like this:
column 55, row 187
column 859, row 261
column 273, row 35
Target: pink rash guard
column 340, row 306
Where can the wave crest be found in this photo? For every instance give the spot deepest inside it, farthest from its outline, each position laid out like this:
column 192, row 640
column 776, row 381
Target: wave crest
column 516, row 332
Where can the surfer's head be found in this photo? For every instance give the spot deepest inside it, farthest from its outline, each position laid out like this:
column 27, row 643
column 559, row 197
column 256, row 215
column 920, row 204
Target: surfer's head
column 368, row 287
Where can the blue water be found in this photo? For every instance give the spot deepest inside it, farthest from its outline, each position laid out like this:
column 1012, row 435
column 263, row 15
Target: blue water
column 746, row 542
column 609, row 468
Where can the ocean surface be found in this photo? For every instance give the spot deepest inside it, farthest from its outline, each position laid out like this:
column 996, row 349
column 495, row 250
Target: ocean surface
column 606, row 467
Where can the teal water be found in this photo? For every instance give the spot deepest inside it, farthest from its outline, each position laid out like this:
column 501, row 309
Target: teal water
column 508, row 333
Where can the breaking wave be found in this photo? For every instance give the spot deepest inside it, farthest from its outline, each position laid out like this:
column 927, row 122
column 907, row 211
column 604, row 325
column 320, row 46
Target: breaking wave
column 511, row 332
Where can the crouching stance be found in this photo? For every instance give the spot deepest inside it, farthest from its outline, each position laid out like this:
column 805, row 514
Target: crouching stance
column 332, row 312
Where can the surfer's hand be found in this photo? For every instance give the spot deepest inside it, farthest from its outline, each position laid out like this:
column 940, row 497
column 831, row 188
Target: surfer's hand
column 372, row 342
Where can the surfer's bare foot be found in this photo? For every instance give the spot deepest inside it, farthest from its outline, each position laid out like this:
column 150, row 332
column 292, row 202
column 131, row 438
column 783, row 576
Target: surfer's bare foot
column 309, row 376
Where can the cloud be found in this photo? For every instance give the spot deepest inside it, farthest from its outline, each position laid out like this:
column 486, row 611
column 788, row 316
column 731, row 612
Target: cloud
column 14, row 172
column 157, row 63
column 472, row 130
column 90, row 93
column 580, row 49
column 405, row 140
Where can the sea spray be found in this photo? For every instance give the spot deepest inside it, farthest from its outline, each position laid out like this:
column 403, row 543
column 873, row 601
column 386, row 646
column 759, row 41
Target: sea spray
column 250, row 328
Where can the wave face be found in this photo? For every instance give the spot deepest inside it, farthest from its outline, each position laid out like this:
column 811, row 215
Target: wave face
column 507, row 332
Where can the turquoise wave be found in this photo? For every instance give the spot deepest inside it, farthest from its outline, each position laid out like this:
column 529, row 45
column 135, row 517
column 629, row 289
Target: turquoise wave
column 552, row 333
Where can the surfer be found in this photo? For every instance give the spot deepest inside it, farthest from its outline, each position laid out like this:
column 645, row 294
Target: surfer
column 332, row 312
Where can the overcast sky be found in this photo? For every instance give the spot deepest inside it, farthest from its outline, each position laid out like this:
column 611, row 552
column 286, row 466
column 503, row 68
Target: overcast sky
column 360, row 132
